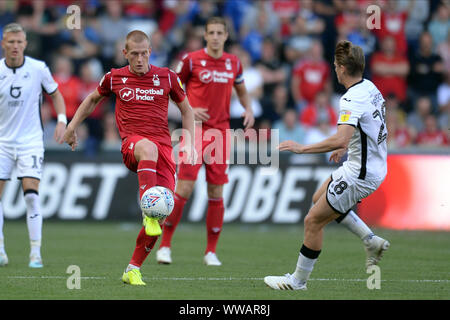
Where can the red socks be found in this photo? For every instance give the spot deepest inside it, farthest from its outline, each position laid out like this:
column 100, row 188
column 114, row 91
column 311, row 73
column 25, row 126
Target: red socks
column 214, row 222
column 172, row 221
column 146, row 172
column 144, row 244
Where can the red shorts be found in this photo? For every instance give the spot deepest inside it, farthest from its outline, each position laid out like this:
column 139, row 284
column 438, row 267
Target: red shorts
column 165, row 166
column 213, row 150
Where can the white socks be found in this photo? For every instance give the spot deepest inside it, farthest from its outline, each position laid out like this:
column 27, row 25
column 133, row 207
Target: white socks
column 353, row 223
column 34, row 222
column 305, row 264
column 2, row 244
column 131, row 267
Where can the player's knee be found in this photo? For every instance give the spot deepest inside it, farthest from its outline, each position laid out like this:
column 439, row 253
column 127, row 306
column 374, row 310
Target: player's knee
column 185, row 188
column 146, row 150
column 310, row 222
column 215, row 191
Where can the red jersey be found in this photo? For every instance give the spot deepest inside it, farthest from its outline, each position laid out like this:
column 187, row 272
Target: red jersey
column 209, row 83
column 313, row 77
column 142, row 101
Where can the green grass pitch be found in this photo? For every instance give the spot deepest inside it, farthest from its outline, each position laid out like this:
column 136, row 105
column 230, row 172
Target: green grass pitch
column 417, row 266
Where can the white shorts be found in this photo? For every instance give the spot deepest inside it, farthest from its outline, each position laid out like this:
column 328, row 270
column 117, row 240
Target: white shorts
column 27, row 159
column 345, row 190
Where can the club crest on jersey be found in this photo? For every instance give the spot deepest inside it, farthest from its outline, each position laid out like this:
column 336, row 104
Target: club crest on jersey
column 228, row 64
column 126, row 94
column 124, row 79
column 156, row 80
column 203, row 62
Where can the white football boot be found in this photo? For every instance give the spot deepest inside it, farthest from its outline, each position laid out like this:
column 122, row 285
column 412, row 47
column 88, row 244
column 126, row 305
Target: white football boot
column 375, row 247
column 163, row 255
column 211, row 259
column 286, row 282
column 3, row 259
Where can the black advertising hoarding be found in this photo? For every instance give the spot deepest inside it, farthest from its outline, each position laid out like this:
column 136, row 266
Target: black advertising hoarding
column 74, row 187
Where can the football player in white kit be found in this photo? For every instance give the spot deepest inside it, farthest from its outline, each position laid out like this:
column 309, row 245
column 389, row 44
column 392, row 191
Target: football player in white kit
column 362, row 132
column 22, row 80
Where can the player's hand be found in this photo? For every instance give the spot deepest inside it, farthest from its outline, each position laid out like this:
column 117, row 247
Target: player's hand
column 59, row 132
column 70, row 137
column 249, row 119
column 337, row 155
column 290, row 145
column 200, row 114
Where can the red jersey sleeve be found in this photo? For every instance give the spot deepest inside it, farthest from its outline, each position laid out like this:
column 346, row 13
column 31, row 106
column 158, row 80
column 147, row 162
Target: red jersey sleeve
column 239, row 73
column 104, row 87
column 177, row 93
column 184, row 68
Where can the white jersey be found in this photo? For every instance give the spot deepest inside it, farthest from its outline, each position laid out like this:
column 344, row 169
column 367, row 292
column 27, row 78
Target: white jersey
column 20, row 101
column 363, row 107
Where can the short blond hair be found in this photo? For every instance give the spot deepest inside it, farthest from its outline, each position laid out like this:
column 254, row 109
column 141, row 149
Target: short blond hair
column 351, row 57
column 13, row 27
column 136, row 36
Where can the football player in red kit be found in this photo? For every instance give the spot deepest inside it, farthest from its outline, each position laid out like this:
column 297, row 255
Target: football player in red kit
column 142, row 98
column 209, row 76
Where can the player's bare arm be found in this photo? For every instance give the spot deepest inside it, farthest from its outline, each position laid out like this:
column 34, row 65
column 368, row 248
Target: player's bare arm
column 60, row 108
column 244, row 99
column 339, row 140
column 187, row 119
column 84, row 110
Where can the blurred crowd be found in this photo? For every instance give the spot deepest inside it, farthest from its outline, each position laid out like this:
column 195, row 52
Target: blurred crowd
column 286, row 48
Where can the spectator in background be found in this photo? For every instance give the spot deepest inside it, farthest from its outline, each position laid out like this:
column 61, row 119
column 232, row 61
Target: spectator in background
column 321, row 131
column 277, row 105
column 443, row 51
column 160, row 50
column 254, row 82
column 319, row 110
column 118, row 60
column 206, row 10
column 310, row 76
column 399, row 134
column 69, row 84
column 443, row 99
column 271, row 68
column 348, row 20
column 440, row 25
column 90, row 75
column 111, row 139
column 416, row 119
column 7, row 13
column 255, row 28
column 414, row 26
column 307, row 21
column 392, row 23
column 289, row 128
column 389, row 70
column 363, row 37
column 431, row 135
column 113, row 27
column 426, row 70
column 286, row 11
column 48, row 125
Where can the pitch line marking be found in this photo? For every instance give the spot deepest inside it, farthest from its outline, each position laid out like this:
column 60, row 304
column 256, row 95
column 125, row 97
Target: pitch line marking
column 231, row 279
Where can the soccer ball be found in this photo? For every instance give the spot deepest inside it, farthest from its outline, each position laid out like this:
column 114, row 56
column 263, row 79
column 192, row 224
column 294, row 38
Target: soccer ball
column 157, row 202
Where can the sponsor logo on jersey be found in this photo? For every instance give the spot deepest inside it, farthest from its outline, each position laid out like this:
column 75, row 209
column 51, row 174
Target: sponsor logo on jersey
column 206, row 76
column 344, row 115
column 126, row 94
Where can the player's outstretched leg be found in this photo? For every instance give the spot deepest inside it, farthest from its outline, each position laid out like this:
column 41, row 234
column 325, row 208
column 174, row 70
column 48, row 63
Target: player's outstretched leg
column 375, row 246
